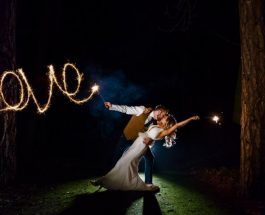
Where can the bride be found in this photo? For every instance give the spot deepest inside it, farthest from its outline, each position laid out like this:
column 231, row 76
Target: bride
column 124, row 175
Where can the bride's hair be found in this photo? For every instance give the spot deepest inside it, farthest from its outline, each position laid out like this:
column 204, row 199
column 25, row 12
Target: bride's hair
column 170, row 139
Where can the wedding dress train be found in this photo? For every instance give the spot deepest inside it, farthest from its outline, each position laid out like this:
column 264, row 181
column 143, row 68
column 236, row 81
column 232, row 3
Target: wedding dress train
column 124, row 175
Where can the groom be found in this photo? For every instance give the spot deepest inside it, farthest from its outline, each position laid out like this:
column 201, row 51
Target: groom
column 142, row 118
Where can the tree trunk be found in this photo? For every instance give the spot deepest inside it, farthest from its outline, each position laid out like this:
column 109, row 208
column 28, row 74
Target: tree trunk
column 8, row 119
column 252, row 162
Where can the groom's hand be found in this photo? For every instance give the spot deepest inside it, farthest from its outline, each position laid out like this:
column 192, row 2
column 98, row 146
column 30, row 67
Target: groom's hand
column 148, row 141
column 107, row 104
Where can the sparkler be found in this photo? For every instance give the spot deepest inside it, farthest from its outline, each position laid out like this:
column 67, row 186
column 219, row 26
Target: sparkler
column 95, row 88
column 26, row 91
column 215, row 118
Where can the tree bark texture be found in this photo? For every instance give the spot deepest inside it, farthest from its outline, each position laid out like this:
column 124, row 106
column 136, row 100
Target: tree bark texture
column 8, row 167
column 252, row 161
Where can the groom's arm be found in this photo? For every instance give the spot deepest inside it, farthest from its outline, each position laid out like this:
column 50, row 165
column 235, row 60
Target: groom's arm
column 131, row 110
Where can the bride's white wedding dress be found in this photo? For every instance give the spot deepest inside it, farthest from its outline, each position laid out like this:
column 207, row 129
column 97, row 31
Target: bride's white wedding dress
column 124, row 175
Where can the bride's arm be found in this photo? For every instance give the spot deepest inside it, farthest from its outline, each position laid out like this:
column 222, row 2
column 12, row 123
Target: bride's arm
column 177, row 125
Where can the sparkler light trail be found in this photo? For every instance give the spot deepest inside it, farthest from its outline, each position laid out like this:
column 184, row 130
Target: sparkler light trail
column 26, row 91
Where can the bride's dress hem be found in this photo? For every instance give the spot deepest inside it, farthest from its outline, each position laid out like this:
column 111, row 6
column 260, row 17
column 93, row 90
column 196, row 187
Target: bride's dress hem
column 124, row 175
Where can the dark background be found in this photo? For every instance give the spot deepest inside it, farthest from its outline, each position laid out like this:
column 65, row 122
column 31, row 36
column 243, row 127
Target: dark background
column 140, row 53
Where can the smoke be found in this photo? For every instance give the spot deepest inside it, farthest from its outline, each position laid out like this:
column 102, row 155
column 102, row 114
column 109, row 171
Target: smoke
column 115, row 88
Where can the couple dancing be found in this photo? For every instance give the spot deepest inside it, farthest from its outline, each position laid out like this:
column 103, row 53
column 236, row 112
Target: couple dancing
column 145, row 127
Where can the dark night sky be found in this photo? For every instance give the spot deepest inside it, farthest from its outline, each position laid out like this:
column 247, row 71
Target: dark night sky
column 129, row 49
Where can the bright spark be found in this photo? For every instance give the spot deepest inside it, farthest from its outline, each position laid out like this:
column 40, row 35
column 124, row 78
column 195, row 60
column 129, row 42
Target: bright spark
column 95, row 88
column 26, row 91
column 216, row 119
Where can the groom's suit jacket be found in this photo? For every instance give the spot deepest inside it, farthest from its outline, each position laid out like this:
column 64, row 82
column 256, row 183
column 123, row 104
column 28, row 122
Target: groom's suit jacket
column 137, row 122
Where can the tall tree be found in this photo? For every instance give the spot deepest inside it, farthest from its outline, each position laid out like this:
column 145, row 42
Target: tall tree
column 8, row 119
column 252, row 164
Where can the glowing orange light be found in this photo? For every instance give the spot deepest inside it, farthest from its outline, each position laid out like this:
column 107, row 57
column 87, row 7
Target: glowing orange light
column 26, row 91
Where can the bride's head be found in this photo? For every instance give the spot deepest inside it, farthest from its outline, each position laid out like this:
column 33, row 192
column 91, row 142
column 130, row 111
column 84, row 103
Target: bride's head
column 167, row 122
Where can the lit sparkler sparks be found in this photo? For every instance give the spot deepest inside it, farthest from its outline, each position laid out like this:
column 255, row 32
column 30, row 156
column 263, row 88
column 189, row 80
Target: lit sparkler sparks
column 95, row 88
column 26, row 91
column 216, row 119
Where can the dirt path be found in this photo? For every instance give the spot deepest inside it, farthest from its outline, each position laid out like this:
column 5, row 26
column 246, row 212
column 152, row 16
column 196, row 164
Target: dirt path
column 178, row 195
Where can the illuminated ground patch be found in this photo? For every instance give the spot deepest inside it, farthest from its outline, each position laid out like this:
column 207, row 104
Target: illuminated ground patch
column 178, row 195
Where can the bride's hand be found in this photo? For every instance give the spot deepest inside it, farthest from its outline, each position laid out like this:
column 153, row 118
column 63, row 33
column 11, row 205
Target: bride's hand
column 195, row 117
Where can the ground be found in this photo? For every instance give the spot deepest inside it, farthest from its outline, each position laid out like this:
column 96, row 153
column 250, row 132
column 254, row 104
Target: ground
column 180, row 193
